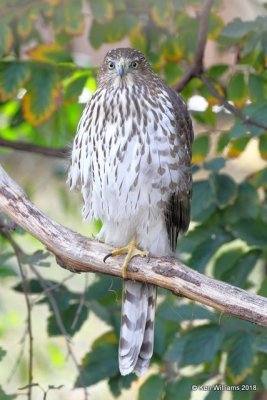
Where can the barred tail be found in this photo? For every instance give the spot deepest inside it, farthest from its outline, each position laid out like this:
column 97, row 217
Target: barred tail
column 137, row 327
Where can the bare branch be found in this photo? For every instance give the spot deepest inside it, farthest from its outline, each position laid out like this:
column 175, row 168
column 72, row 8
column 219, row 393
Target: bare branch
column 34, row 148
column 247, row 120
column 29, row 309
column 79, row 254
column 196, row 68
column 60, row 324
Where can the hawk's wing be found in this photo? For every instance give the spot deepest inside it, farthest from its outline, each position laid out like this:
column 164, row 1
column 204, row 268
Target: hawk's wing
column 177, row 213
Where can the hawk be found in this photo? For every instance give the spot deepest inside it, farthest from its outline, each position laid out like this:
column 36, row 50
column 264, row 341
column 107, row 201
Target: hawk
column 131, row 158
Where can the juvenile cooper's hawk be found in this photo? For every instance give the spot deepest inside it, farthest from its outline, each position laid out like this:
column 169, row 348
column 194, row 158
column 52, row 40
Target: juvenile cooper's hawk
column 132, row 157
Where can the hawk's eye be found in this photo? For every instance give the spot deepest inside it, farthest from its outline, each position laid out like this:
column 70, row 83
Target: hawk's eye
column 111, row 65
column 134, row 64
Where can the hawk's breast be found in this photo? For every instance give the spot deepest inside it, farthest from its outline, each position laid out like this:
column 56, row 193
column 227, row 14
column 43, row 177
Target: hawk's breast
column 127, row 152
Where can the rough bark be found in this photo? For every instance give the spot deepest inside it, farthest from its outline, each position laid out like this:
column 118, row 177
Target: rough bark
column 80, row 254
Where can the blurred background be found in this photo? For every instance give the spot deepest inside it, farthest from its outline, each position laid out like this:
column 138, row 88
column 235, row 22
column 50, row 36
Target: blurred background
column 50, row 51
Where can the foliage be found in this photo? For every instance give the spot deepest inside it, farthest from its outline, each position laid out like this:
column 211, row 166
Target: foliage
column 39, row 92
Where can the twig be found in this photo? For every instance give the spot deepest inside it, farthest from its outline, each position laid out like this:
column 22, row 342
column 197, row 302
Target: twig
column 19, row 357
column 81, row 304
column 59, row 322
column 18, row 254
column 247, row 120
column 34, row 148
column 196, row 68
column 79, row 254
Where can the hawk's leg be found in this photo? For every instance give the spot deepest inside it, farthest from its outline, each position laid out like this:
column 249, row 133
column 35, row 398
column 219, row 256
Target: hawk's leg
column 131, row 250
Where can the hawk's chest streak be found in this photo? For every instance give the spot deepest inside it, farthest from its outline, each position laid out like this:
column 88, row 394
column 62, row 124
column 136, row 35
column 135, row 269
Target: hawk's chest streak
column 132, row 141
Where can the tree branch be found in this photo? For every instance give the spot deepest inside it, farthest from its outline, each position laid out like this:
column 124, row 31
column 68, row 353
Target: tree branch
column 247, row 120
column 34, row 148
column 196, row 68
column 79, row 254
column 18, row 254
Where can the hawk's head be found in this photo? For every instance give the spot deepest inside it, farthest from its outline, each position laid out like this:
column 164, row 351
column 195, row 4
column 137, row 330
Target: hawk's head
column 124, row 65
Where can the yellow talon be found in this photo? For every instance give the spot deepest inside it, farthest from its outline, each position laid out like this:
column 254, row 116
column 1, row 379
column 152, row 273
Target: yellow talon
column 131, row 250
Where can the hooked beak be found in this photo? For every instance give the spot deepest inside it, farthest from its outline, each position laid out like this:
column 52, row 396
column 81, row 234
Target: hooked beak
column 121, row 70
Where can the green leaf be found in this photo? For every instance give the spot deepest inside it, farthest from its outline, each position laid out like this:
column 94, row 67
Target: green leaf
column 172, row 73
column 252, row 231
column 200, row 234
column 6, row 271
column 2, row 353
column 234, row 266
column 203, row 201
column 176, row 349
column 49, row 53
column 225, row 261
column 25, row 25
column 264, row 378
column 240, row 357
column 214, row 395
column 259, row 178
column 160, row 337
column 112, row 31
column 74, row 88
column 12, row 77
column 101, row 362
column 6, row 39
column 207, row 117
column 263, row 288
column 238, row 130
column 118, row 383
column 216, row 71
column 152, row 388
column 222, row 142
column 185, row 312
column 257, row 87
column 43, row 95
column 160, row 12
column 101, row 311
column 261, row 342
column 173, row 49
column 102, row 10
column 104, row 285
column 4, row 396
column 263, row 147
column 225, row 189
column 182, row 389
column 237, row 28
column 74, row 18
column 202, row 344
column 68, row 316
column 237, row 90
column 203, row 254
column 215, row 164
column 201, row 146
column 37, row 258
column 257, row 112
column 237, row 146
column 138, row 39
column 33, row 286
column 246, row 204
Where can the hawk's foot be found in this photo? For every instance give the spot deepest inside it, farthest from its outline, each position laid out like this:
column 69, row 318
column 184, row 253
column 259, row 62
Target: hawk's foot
column 131, row 250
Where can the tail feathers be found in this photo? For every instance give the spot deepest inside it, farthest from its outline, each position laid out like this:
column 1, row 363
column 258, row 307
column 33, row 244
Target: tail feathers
column 146, row 351
column 137, row 327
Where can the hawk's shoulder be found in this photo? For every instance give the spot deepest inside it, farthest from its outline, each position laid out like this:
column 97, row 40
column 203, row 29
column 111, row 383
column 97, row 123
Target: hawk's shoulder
column 183, row 119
